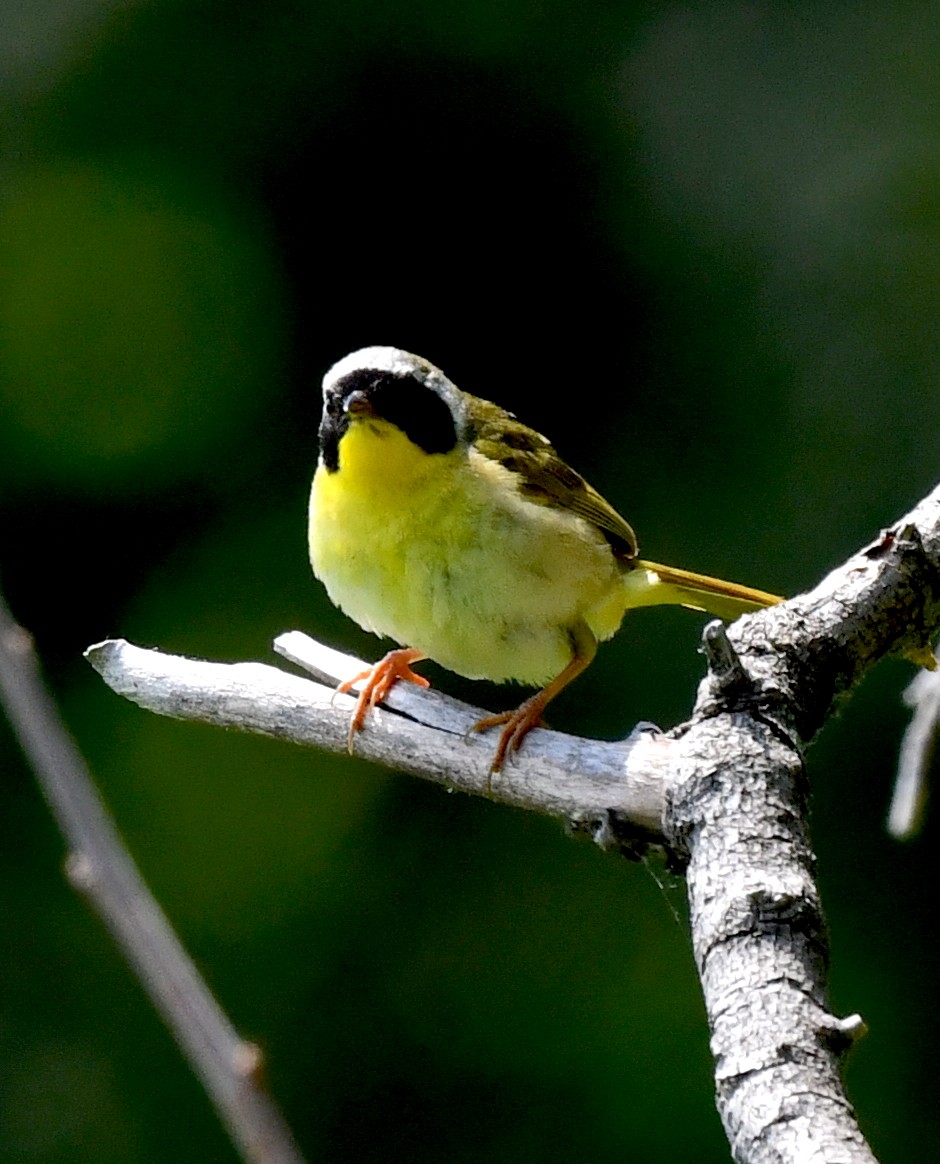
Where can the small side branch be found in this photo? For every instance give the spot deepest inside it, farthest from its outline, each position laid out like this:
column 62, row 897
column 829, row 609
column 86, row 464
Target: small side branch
column 917, row 750
column 100, row 866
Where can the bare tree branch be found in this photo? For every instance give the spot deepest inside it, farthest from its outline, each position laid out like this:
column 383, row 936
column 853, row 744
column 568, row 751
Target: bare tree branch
column 588, row 783
column 726, row 792
column 100, row 866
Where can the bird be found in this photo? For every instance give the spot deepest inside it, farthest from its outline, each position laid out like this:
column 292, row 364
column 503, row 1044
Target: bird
column 439, row 520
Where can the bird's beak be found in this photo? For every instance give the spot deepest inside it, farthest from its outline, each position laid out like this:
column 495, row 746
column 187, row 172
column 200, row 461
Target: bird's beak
column 358, row 404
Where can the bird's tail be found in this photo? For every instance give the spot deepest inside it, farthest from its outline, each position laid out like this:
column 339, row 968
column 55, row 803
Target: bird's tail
column 650, row 584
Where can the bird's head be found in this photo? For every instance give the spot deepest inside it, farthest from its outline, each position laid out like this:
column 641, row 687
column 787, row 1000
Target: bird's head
column 389, row 389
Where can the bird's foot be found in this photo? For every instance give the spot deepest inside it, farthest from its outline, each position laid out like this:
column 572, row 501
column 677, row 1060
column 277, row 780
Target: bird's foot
column 516, row 726
column 378, row 680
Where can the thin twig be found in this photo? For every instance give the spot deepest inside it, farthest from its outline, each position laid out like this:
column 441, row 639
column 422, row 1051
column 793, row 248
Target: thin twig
column 100, row 866
column 914, row 758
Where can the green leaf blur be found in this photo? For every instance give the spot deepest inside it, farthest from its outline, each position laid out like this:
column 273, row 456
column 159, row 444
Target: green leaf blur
column 136, row 325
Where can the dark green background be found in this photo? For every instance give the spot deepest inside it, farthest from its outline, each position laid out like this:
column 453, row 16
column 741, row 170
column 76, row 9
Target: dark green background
column 697, row 245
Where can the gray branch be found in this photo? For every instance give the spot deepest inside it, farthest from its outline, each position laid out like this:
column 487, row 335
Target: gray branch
column 100, row 866
column 595, row 786
column 736, row 815
column 725, row 792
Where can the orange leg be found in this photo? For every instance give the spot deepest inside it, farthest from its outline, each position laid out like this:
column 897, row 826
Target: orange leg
column 528, row 715
column 378, row 682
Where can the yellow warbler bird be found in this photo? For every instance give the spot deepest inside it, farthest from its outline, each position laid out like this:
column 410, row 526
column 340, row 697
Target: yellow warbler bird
column 439, row 520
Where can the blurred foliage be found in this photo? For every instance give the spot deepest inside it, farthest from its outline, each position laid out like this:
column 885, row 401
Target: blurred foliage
column 697, row 244
column 106, row 273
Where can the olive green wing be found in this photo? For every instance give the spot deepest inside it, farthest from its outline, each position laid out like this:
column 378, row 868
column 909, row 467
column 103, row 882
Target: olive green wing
column 544, row 477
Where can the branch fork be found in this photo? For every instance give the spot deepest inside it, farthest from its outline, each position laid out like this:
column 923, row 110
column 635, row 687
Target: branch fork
column 724, row 793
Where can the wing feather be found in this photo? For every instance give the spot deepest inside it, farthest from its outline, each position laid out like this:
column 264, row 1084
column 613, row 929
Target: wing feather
column 544, row 477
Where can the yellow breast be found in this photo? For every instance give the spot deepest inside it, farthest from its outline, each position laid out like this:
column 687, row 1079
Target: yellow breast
column 441, row 552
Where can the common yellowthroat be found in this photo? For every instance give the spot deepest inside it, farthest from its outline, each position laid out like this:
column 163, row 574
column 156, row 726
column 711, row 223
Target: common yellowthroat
column 441, row 521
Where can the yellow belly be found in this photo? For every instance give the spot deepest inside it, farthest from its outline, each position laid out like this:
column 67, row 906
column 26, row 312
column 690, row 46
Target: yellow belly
column 440, row 553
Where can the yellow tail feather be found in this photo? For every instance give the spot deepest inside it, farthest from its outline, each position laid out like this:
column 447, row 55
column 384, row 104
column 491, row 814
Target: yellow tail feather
column 650, row 584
